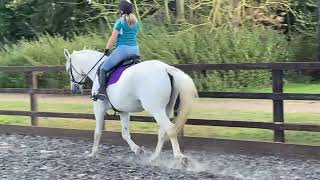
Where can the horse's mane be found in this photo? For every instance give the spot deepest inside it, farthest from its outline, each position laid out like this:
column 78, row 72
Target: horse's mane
column 85, row 51
column 82, row 55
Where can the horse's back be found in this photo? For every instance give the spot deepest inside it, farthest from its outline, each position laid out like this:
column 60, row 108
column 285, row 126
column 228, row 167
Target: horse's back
column 143, row 70
column 151, row 65
column 150, row 71
column 145, row 82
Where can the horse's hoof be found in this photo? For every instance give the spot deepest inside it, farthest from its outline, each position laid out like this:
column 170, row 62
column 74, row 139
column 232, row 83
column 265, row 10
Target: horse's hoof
column 141, row 152
column 92, row 155
column 152, row 159
column 185, row 162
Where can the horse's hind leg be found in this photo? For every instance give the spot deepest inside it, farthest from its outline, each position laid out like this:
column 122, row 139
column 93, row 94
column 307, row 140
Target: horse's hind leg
column 164, row 122
column 125, row 118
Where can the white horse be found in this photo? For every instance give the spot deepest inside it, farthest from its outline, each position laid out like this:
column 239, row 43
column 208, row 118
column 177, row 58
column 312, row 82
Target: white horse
column 145, row 86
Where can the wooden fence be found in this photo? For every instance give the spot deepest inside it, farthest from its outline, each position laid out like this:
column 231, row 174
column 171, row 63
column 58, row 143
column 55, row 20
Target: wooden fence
column 277, row 96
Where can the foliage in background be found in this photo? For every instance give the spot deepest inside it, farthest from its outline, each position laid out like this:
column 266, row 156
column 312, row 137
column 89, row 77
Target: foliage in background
column 30, row 18
column 305, row 16
column 35, row 32
column 304, row 29
column 200, row 45
column 47, row 50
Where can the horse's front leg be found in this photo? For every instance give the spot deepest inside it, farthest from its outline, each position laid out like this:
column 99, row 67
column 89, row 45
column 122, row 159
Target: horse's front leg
column 125, row 118
column 100, row 108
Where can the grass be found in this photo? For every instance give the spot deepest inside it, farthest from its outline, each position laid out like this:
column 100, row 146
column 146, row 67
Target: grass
column 310, row 88
column 60, row 105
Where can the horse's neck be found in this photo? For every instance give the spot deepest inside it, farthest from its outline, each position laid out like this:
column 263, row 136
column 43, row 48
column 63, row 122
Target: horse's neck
column 85, row 62
column 90, row 68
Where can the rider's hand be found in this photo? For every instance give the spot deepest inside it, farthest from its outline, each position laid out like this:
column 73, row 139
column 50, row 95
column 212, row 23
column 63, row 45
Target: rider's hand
column 106, row 52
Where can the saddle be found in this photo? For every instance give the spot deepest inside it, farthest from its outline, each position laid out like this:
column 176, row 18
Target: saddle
column 115, row 73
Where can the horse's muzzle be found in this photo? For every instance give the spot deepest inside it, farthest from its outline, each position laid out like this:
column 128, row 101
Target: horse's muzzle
column 75, row 88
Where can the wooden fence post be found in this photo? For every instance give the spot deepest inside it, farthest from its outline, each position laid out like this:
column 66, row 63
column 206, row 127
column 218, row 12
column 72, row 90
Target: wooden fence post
column 33, row 98
column 277, row 87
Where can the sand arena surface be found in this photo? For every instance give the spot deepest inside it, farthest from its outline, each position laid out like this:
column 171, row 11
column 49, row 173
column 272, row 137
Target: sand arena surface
column 35, row 157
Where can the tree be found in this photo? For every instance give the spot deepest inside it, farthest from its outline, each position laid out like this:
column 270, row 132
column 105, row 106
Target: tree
column 305, row 12
column 180, row 10
column 30, row 18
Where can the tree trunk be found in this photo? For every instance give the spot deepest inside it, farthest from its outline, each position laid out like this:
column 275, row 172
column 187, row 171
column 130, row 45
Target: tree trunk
column 191, row 13
column 318, row 29
column 167, row 11
column 180, row 10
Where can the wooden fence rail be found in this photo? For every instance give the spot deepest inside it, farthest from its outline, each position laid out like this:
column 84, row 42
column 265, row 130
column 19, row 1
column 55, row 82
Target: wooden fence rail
column 233, row 95
column 203, row 122
column 277, row 96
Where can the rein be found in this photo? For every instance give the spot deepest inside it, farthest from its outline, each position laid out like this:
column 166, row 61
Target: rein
column 84, row 76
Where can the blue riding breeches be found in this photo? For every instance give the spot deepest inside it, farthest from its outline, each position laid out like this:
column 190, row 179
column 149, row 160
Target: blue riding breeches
column 121, row 53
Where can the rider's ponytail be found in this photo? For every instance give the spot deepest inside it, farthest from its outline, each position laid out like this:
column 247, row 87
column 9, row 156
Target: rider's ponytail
column 131, row 19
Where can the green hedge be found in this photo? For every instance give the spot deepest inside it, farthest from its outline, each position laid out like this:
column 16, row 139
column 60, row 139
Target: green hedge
column 199, row 45
column 245, row 45
column 47, row 50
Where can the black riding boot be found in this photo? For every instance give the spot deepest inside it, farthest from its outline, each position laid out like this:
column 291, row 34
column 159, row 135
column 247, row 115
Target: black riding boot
column 102, row 94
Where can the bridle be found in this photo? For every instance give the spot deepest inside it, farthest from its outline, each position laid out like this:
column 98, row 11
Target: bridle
column 71, row 68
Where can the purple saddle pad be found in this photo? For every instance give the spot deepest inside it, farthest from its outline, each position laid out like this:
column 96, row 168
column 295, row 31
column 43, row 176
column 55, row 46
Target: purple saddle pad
column 115, row 75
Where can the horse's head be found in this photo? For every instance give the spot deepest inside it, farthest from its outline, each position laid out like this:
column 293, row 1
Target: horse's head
column 76, row 74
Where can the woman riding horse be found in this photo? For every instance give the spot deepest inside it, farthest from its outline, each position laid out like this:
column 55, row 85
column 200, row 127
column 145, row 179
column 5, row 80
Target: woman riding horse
column 151, row 86
column 124, row 34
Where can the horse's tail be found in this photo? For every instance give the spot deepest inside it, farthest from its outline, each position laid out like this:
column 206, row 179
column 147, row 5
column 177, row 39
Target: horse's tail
column 184, row 87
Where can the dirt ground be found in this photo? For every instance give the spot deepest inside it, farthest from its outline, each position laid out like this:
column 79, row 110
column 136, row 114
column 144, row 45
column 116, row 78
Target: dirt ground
column 226, row 104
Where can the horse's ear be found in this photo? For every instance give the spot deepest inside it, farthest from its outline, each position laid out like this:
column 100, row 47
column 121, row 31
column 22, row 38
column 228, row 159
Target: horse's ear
column 66, row 54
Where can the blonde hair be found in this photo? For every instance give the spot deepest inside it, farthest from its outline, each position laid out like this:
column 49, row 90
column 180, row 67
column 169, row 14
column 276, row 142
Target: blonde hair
column 131, row 19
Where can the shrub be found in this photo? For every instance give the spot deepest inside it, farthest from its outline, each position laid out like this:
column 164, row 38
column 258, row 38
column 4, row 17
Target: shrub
column 47, row 50
column 245, row 45
column 199, row 45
